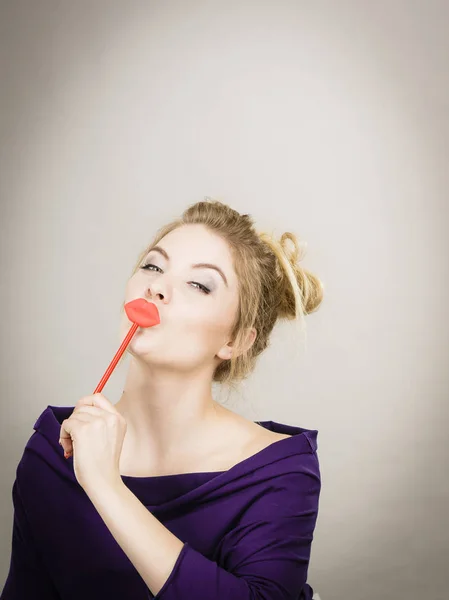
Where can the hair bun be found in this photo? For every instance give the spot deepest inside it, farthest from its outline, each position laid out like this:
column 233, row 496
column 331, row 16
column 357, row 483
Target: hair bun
column 299, row 250
column 300, row 291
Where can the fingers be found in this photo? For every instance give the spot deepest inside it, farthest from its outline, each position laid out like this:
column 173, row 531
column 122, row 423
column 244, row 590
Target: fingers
column 87, row 407
column 67, row 453
column 96, row 400
column 67, row 447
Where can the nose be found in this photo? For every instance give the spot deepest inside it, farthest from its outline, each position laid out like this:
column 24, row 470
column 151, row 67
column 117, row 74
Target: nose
column 158, row 289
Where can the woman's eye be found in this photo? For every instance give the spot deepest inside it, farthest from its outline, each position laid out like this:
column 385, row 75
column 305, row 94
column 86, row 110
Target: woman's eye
column 201, row 287
column 148, row 267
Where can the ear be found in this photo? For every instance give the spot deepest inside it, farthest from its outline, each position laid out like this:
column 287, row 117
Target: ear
column 228, row 350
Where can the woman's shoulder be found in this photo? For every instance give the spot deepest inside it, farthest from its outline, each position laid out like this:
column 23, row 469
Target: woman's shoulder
column 246, row 438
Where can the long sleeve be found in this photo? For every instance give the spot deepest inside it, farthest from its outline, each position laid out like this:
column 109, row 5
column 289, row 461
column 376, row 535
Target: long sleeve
column 266, row 555
column 28, row 578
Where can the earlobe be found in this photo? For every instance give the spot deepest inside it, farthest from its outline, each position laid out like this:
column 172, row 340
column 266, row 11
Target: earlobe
column 227, row 351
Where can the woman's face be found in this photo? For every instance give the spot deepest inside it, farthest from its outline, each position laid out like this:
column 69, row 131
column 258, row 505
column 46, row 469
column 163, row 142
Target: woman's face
column 197, row 305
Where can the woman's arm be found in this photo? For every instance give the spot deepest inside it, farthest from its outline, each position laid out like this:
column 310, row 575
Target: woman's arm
column 150, row 546
column 266, row 555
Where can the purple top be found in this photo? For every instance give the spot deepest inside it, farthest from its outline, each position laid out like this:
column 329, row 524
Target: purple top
column 247, row 531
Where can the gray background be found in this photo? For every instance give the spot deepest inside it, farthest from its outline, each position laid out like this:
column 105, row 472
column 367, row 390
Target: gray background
column 329, row 119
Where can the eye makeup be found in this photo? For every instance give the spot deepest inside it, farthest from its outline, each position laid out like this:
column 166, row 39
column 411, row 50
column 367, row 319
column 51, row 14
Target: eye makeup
column 200, row 287
column 196, row 266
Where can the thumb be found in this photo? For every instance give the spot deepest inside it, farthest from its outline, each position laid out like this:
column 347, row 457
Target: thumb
column 65, row 440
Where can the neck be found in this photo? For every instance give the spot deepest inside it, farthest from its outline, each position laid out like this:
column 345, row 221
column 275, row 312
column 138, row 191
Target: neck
column 167, row 411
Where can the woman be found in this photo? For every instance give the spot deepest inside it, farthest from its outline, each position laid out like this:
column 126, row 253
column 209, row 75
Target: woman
column 207, row 504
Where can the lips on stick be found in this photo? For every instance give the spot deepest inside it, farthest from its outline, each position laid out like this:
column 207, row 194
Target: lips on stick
column 142, row 314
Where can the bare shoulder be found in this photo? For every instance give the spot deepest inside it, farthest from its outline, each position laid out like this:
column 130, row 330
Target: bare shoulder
column 261, row 432
column 269, row 436
column 253, row 437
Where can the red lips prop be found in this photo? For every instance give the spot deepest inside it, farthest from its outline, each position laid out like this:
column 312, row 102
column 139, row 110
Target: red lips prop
column 142, row 314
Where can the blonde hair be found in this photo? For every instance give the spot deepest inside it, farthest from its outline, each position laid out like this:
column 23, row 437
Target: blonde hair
column 272, row 285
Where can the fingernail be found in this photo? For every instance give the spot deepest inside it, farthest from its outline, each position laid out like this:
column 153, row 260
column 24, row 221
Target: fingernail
column 66, row 454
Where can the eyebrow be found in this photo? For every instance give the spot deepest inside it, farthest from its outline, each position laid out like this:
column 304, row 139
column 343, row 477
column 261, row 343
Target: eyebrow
column 196, row 266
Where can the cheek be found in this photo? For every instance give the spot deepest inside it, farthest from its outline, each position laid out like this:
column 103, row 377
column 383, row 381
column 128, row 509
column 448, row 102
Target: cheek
column 216, row 326
column 199, row 322
column 207, row 327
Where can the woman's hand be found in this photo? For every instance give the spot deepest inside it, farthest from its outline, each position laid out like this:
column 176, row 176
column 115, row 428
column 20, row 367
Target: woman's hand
column 94, row 434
